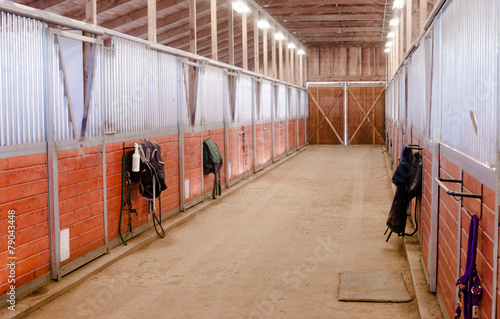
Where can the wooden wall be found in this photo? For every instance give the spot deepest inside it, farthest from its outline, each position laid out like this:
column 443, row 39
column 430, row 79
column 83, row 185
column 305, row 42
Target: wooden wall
column 346, row 63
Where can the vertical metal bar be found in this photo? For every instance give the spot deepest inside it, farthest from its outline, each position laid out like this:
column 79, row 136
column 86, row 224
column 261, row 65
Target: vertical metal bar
column 226, row 104
column 274, row 102
column 287, row 118
column 346, row 109
column 459, row 234
column 180, row 130
column 297, row 116
column 2, row 55
column 52, row 180
column 433, row 241
column 254, row 109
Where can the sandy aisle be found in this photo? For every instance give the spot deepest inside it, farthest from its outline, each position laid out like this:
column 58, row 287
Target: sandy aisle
column 272, row 249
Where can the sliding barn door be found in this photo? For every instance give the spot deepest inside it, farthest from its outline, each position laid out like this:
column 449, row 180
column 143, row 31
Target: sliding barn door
column 326, row 115
column 365, row 115
column 347, row 113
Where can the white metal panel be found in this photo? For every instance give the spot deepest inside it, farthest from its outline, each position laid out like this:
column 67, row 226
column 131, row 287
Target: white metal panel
column 281, row 102
column 416, row 90
column 210, row 99
column 244, row 99
column 469, row 36
column 134, row 100
column 293, row 108
column 22, row 116
column 95, row 115
column 267, row 100
column 168, row 90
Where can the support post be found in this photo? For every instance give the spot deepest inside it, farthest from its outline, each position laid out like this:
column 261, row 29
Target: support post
column 230, row 37
column 280, row 58
column 244, row 40
column 264, row 51
column 213, row 25
column 152, row 20
column 256, row 51
column 52, row 180
column 192, row 26
column 274, row 72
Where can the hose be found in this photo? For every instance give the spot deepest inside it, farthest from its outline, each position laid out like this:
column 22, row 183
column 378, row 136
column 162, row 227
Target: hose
column 123, row 202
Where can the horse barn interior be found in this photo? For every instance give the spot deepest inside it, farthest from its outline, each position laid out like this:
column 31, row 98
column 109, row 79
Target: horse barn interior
column 317, row 108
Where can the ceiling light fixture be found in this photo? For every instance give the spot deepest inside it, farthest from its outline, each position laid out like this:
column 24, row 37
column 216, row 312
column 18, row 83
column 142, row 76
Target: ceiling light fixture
column 388, row 44
column 387, row 50
column 263, row 24
column 301, row 52
column 398, row 4
column 291, row 45
column 394, row 22
column 391, row 34
column 279, row 36
column 241, row 6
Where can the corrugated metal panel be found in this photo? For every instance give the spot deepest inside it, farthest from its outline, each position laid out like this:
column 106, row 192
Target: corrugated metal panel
column 210, row 95
column 281, row 102
column 267, row 100
column 132, row 77
column 416, row 90
column 435, row 134
column 244, row 99
column 293, row 109
column 402, row 98
column 168, row 90
column 22, row 115
column 469, row 78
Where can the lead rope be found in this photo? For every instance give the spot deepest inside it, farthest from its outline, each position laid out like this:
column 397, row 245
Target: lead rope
column 471, row 290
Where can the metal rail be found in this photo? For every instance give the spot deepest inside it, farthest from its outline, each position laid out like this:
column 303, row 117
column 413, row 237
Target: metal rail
column 440, row 181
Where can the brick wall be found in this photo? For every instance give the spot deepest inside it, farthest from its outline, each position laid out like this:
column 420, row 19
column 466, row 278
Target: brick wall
column 23, row 181
column 449, row 212
column 81, row 199
column 292, row 134
column 81, row 191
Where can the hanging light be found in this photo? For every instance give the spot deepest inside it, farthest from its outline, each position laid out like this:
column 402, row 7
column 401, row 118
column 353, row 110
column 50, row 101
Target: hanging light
column 291, row 45
column 301, row 52
column 279, row 36
column 398, row 4
column 241, row 6
column 394, row 22
column 388, row 44
column 263, row 24
column 391, row 34
column 387, row 50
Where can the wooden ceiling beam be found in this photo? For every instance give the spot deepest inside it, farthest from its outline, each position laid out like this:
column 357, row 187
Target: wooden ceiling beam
column 140, row 14
column 331, row 17
column 271, row 3
column 306, row 31
column 295, row 10
column 344, row 39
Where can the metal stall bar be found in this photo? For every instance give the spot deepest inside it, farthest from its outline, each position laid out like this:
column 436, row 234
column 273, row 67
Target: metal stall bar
column 53, row 194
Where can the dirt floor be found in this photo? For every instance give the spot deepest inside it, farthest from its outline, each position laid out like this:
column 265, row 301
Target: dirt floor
column 274, row 248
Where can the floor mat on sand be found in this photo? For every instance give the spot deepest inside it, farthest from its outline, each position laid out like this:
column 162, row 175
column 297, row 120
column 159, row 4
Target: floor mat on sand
column 375, row 286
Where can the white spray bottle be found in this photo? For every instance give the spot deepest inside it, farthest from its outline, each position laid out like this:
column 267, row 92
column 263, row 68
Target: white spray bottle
column 136, row 159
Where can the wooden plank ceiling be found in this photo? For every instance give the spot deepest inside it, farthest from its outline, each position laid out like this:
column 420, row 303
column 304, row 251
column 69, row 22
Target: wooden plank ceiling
column 314, row 22
column 332, row 22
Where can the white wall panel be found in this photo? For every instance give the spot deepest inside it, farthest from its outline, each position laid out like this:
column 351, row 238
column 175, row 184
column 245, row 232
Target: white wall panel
column 469, row 66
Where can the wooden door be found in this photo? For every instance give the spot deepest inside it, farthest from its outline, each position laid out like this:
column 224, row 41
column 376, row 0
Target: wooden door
column 366, row 115
column 326, row 115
